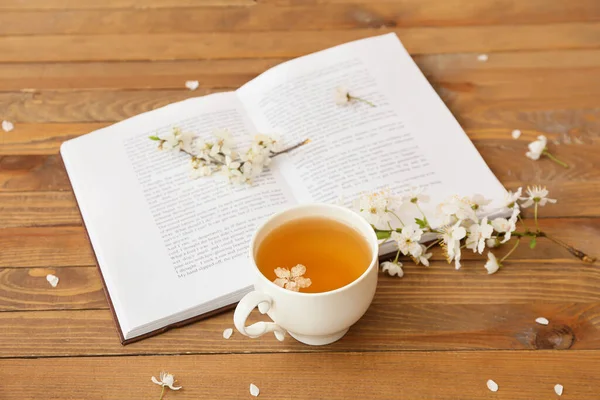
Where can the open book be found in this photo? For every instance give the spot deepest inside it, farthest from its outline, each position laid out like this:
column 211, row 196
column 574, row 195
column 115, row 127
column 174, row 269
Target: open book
column 172, row 249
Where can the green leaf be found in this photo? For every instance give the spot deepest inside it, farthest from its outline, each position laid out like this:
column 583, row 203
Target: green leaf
column 156, row 138
column 383, row 234
column 532, row 243
column 422, row 223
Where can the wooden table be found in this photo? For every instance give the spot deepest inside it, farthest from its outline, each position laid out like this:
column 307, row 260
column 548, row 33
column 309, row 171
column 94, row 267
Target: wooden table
column 69, row 67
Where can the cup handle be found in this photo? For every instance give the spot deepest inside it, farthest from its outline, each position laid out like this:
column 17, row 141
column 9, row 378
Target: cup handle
column 245, row 307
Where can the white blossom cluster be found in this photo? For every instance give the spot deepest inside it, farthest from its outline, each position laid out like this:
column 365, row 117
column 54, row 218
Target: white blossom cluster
column 219, row 156
column 464, row 224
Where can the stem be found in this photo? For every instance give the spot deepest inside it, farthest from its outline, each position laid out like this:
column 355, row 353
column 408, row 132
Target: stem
column 397, row 255
column 523, row 222
column 162, row 393
column 537, row 228
column 302, row 143
column 432, row 244
column 577, row 253
column 510, row 252
column 421, row 211
column 556, row 160
column 395, row 215
column 363, row 100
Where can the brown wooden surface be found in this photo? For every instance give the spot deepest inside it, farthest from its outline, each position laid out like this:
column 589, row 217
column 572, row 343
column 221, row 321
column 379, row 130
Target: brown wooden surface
column 70, row 67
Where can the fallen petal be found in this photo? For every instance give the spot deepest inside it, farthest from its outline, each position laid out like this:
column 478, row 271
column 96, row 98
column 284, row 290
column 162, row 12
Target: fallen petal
column 254, row 391
column 7, row 126
column 52, row 280
column 279, row 335
column 558, row 389
column 227, row 333
column 493, row 386
column 482, row 57
column 516, row 134
column 192, row 85
column 542, row 321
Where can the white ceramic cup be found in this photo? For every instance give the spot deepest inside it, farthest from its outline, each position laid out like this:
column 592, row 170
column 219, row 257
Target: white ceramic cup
column 311, row 318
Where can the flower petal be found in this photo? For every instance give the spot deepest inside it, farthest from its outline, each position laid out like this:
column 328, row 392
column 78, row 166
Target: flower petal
column 227, row 333
column 493, row 386
column 280, row 282
column 298, row 270
column 7, row 126
column 542, row 321
column 303, row 282
column 282, row 272
column 192, row 85
column 254, row 390
column 558, row 389
column 516, row 134
column 174, row 387
column 153, row 379
column 52, row 280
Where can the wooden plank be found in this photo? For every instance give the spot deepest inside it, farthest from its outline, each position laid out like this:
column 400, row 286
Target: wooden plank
column 38, row 209
column 68, row 246
column 236, row 72
column 531, row 280
column 267, row 17
column 414, row 375
column 32, row 173
column 285, row 44
column 54, row 5
column 27, row 289
column 45, row 247
column 385, row 327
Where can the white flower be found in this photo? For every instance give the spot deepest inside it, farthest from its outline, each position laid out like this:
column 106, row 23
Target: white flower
column 269, row 143
column 292, row 280
column 493, row 386
column 423, row 257
column 492, row 242
column 392, row 268
column 342, row 96
column 492, row 263
column 542, row 321
column 192, row 85
column 537, row 147
column 231, row 170
column 451, row 237
column 223, row 145
column 506, row 226
column 558, row 389
column 7, row 126
column 166, row 379
column 254, row 390
column 482, row 57
column 456, row 208
column 374, row 207
column 537, row 194
column 415, row 195
column 510, row 198
column 478, row 233
column 52, row 280
column 516, row 134
column 408, row 240
column 176, row 139
column 478, row 201
column 227, row 333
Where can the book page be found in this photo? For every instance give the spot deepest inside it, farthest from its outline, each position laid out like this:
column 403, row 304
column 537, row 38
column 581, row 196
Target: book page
column 408, row 139
column 156, row 231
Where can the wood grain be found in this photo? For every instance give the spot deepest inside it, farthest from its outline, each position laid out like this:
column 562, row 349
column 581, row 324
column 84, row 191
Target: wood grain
column 68, row 245
column 227, row 45
column 415, row 375
column 385, row 327
column 54, row 5
column 520, row 282
column 266, row 17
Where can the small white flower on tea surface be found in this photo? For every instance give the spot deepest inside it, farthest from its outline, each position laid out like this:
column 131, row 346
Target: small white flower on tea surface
column 478, row 233
column 516, row 134
column 558, row 389
column 451, row 237
column 542, row 321
column 536, row 194
column 7, row 126
column 52, row 280
column 227, row 333
column 292, row 280
column 192, row 85
column 392, row 268
column 408, row 240
column 493, row 386
column 254, row 390
column 166, row 379
column 482, row 57
column 492, row 264
column 537, row 147
column 341, row 95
